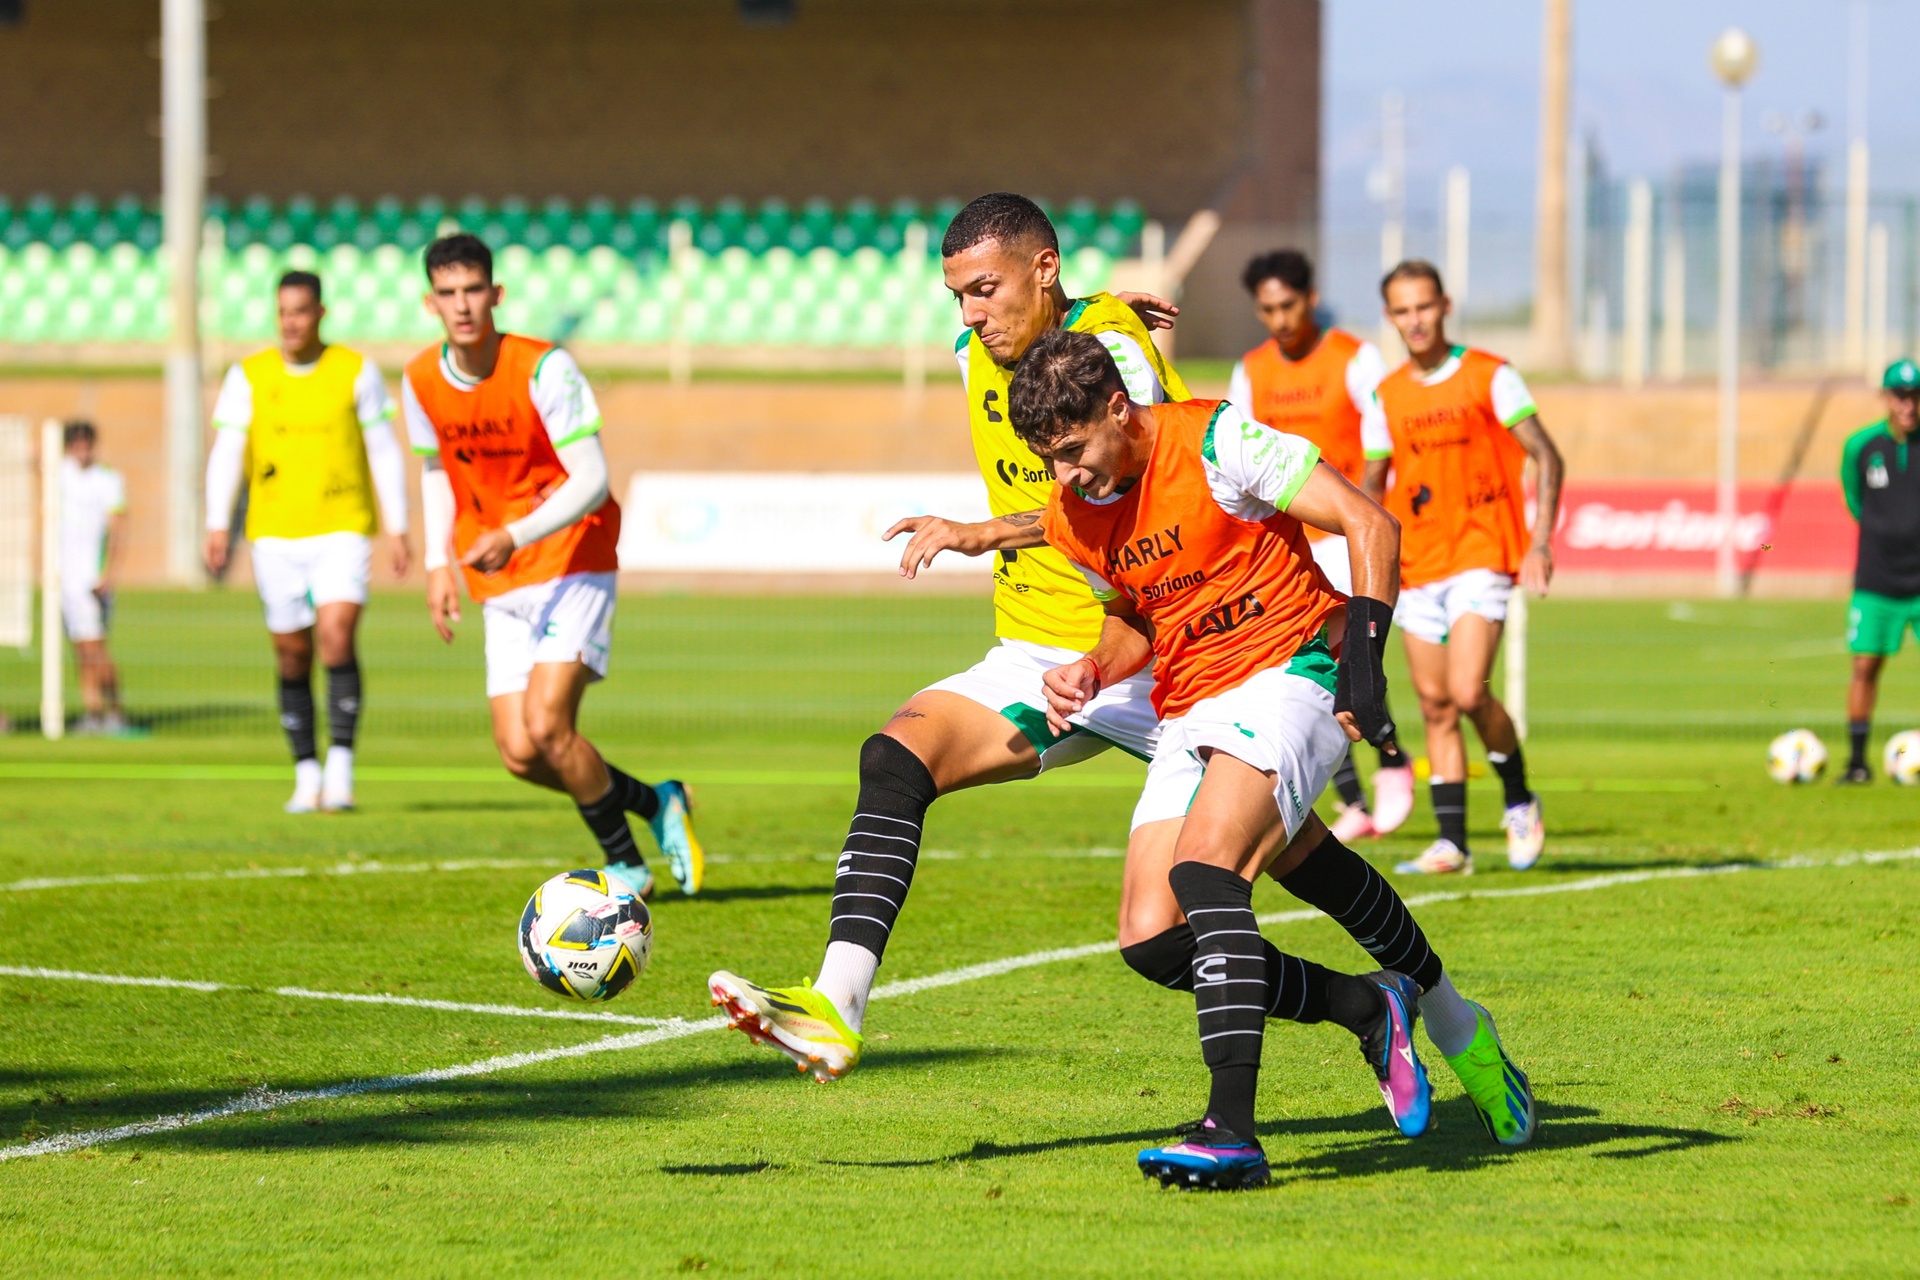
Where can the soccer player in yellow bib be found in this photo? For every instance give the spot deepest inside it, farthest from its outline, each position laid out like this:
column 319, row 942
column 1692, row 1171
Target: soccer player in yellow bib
column 308, row 428
column 1001, row 260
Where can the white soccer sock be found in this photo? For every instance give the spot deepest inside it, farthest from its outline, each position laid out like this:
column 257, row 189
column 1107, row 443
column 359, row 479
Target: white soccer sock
column 846, row 978
column 339, row 771
column 1451, row 1022
column 306, row 777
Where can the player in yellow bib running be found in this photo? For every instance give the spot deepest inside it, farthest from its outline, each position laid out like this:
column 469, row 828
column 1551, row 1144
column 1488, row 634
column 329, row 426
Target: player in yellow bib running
column 308, row 429
column 1001, row 259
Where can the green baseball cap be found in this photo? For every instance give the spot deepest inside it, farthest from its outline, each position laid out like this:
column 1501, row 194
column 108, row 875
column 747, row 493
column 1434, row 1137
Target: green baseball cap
column 1902, row 375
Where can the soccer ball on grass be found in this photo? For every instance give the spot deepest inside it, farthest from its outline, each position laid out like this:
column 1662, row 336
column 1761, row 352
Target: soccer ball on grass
column 586, row 934
column 1903, row 757
column 1796, row 756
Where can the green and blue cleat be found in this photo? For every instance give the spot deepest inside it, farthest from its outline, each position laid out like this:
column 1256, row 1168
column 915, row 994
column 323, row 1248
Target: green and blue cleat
column 1499, row 1089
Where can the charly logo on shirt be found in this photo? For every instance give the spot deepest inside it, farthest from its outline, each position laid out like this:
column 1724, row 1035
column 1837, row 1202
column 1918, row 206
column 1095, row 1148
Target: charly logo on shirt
column 1877, row 474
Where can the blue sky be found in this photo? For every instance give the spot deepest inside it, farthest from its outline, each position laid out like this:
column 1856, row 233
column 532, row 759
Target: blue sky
column 1470, row 75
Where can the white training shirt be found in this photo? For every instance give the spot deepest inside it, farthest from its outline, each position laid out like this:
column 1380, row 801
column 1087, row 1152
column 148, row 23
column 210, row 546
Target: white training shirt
column 1143, row 383
column 1365, row 370
column 559, row 390
column 89, row 499
column 1255, row 472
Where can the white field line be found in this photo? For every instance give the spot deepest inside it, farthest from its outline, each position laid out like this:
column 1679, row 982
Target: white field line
column 273, row 873
column 266, row 1099
column 348, row 997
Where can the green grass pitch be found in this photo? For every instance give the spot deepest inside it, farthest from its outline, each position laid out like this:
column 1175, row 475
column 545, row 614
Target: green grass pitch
column 1710, row 987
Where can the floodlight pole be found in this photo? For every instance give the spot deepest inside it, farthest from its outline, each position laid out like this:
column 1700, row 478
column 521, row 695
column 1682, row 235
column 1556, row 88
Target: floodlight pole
column 183, row 173
column 1732, row 74
column 1551, row 345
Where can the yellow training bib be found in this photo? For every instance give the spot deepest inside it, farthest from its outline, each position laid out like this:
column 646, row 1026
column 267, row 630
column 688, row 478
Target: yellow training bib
column 307, row 468
column 1037, row 595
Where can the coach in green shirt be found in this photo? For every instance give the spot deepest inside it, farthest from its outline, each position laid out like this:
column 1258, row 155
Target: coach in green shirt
column 1883, row 492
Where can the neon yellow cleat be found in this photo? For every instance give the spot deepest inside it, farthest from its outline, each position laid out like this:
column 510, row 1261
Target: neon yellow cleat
column 1499, row 1089
column 798, row 1021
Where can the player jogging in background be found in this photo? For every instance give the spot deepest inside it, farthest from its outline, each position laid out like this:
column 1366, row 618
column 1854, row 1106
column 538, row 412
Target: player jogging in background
column 515, row 492
column 308, row 429
column 1318, row 383
column 1001, row 260
column 1462, row 425
column 93, row 524
column 1187, row 521
column 1882, row 483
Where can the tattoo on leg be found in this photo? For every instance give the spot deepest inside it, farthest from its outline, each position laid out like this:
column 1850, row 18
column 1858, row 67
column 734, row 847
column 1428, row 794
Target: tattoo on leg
column 907, row 713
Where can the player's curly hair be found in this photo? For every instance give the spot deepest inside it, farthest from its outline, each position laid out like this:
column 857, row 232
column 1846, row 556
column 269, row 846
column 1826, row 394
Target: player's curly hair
column 462, row 249
column 1066, row 379
column 1290, row 267
column 1002, row 216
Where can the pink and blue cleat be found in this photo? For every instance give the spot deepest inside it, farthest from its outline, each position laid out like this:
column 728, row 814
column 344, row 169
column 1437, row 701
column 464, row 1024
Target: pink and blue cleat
column 1388, row 1049
column 1206, row 1157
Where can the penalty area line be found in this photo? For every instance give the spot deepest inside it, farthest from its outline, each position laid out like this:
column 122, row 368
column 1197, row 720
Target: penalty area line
column 369, row 868
column 263, row 1099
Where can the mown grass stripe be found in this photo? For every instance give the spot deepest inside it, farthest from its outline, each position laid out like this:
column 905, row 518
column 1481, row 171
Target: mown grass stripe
column 267, row 1100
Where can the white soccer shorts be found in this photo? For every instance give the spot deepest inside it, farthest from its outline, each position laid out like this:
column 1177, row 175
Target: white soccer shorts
column 297, row 575
column 569, row 619
column 1008, row 681
column 1330, row 553
column 1278, row 722
column 1428, row 613
column 85, row 612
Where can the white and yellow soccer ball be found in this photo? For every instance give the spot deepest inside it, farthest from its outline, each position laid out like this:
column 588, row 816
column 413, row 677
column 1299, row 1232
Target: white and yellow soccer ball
column 1903, row 757
column 1796, row 756
column 586, row 934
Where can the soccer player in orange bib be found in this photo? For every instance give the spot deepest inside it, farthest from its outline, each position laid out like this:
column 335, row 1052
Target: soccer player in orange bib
column 1461, row 427
column 1318, row 383
column 515, row 488
column 1188, row 522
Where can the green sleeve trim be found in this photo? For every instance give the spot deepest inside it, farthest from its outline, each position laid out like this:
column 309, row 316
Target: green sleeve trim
column 580, row 433
column 960, row 343
column 427, row 451
column 384, row 416
column 541, row 363
column 1519, row 416
column 1310, row 460
column 1206, row 441
column 1375, row 455
column 1074, row 313
column 1850, row 462
column 241, row 427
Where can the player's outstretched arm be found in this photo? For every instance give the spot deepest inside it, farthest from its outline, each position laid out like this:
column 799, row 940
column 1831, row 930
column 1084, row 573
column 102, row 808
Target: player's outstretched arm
column 1124, row 648
column 934, row 534
column 1329, row 501
column 1536, row 569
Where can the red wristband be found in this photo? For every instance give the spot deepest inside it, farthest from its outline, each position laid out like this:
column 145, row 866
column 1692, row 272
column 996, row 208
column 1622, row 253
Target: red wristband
column 1099, row 681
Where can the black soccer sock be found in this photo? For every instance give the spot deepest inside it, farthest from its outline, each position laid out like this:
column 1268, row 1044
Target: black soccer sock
column 883, row 844
column 1857, row 734
column 1296, row 989
column 343, row 703
column 1229, row 974
column 296, row 716
column 1354, row 1003
column 607, row 819
column 1450, row 811
column 1346, row 781
column 1391, row 757
column 635, row 796
column 1512, row 768
column 1344, row 885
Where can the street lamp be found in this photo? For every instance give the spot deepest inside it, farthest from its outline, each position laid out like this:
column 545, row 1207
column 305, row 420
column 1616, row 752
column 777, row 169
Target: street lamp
column 1734, row 58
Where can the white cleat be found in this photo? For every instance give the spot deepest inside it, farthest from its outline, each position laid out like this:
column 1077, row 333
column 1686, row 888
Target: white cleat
column 1441, row 858
column 1392, row 799
column 1354, row 823
column 1526, row 834
column 303, row 801
column 336, row 791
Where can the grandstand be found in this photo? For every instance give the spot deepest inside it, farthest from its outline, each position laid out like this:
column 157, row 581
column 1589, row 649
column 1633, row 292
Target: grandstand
column 732, row 275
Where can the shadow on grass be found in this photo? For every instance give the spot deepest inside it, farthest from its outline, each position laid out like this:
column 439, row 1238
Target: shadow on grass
column 742, row 893
column 445, row 1111
column 720, row 1170
column 476, row 806
column 1457, row 1142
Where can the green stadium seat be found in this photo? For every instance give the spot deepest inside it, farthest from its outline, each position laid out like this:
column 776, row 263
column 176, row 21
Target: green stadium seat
column 818, row 221
column 39, row 213
column 61, row 233
column 302, row 218
column 125, row 215
column 513, row 214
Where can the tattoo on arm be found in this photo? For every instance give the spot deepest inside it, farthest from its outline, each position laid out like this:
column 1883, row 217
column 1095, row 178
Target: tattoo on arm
column 1023, row 518
column 907, row 713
